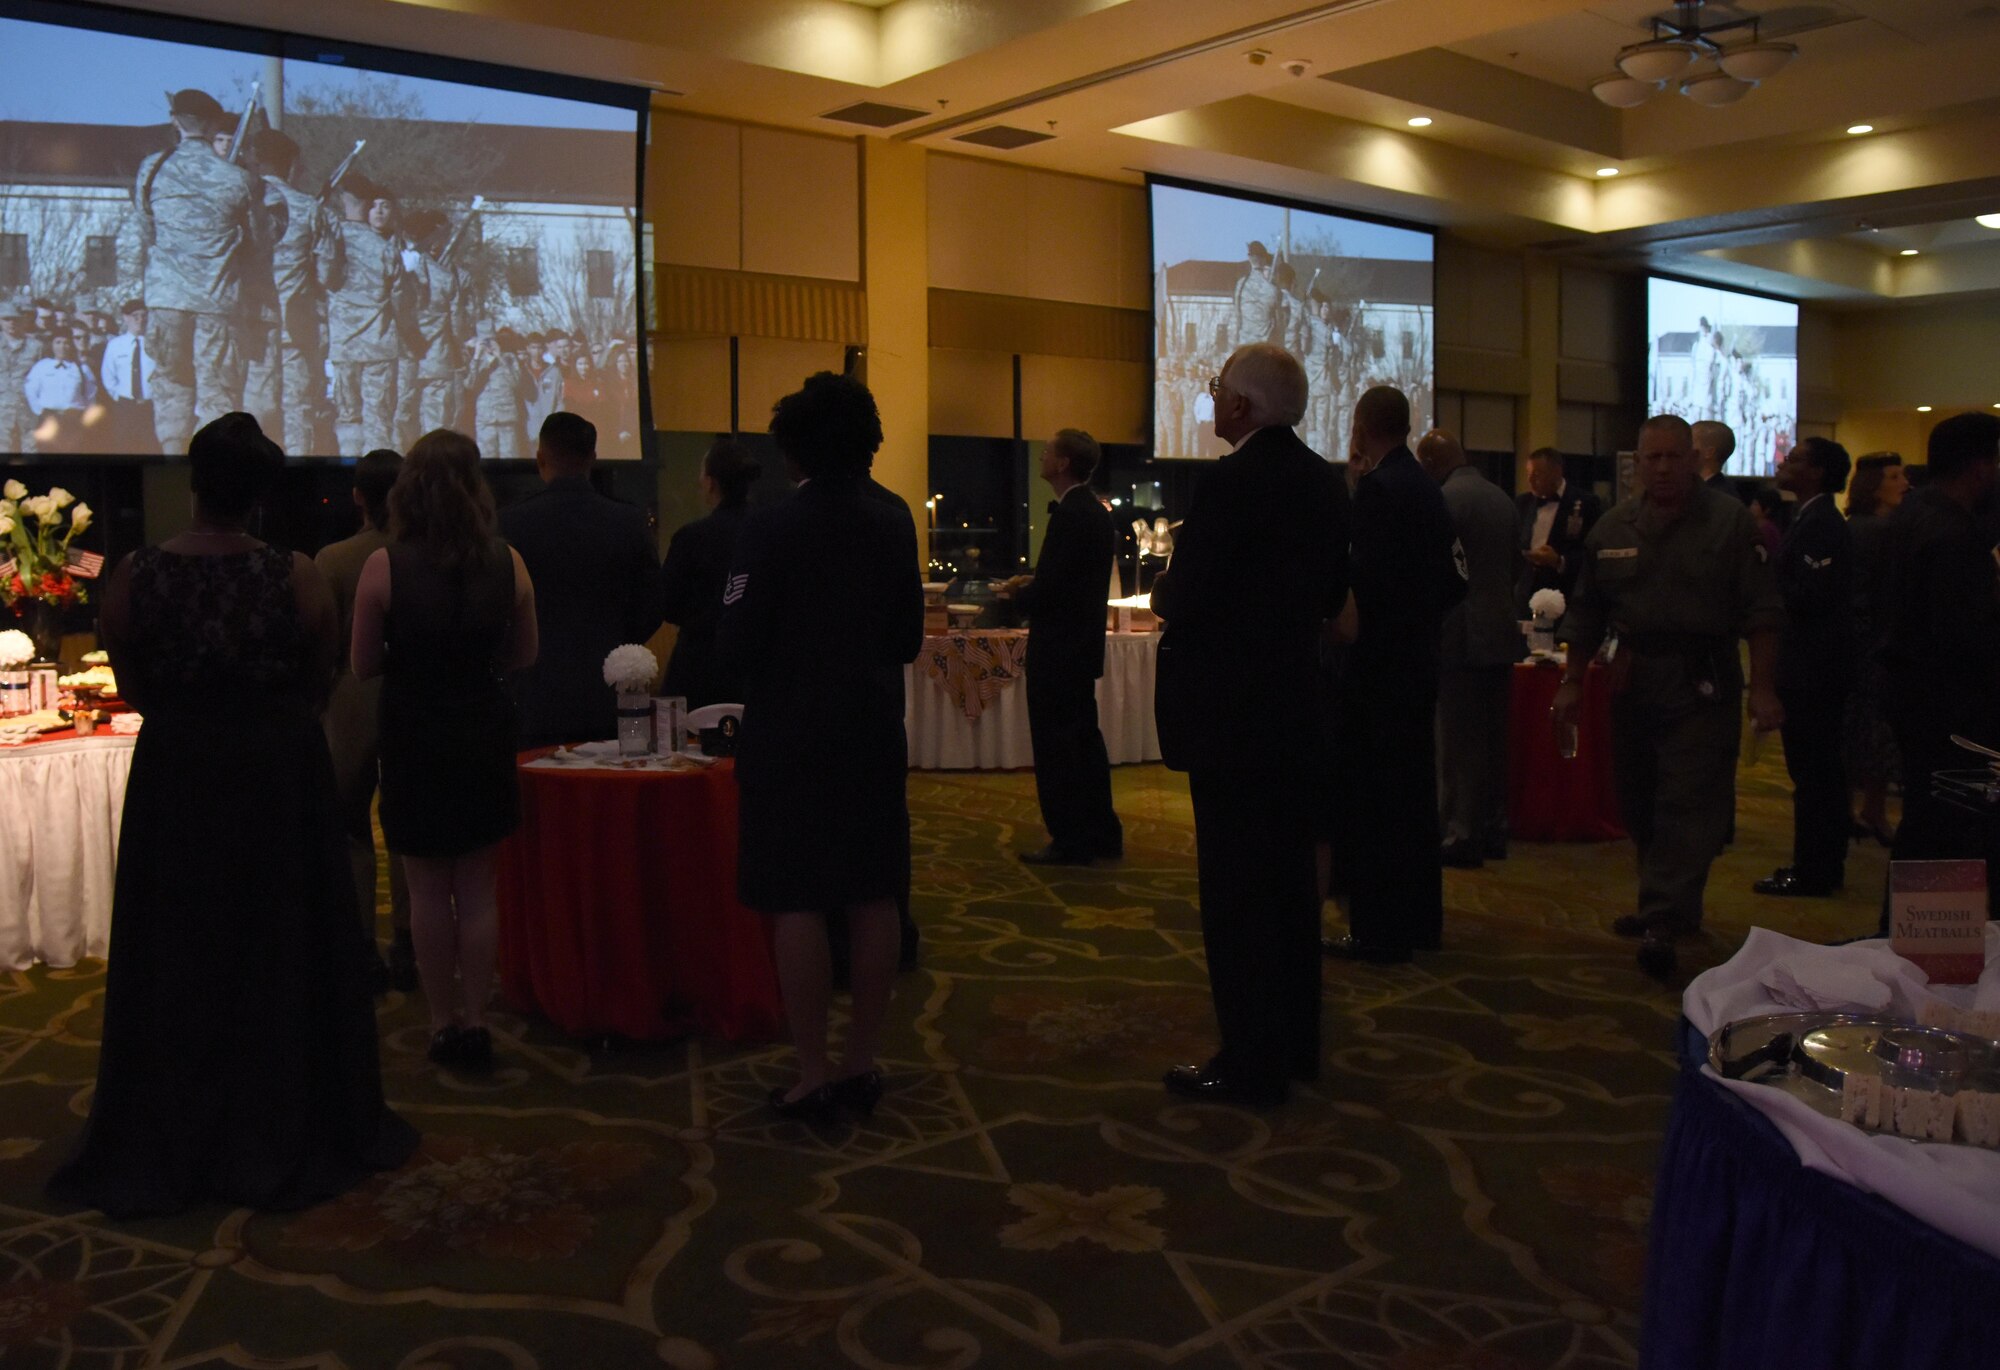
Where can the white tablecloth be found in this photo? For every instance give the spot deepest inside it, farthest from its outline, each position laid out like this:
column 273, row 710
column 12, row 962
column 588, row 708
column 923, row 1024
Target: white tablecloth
column 60, row 804
column 1955, row 1189
column 942, row 738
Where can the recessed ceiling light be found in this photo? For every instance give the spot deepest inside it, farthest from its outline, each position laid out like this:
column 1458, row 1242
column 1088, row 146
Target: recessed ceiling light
column 1987, row 220
column 1907, row 252
column 1923, row 409
column 1607, row 171
column 1859, row 129
column 1421, row 121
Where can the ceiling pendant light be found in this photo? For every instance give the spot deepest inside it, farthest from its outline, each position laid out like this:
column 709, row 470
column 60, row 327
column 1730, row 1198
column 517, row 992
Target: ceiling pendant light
column 1757, row 61
column 1622, row 92
column 1716, row 89
column 1987, row 220
column 1660, row 60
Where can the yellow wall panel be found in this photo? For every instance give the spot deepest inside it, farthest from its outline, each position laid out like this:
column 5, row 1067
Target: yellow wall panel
column 768, row 369
column 1106, row 399
column 1006, row 230
column 690, row 379
column 972, row 393
column 801, row 204
column 693, row 196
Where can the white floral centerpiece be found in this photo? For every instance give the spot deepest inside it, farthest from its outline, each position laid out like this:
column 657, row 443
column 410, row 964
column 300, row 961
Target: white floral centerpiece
column 631, row 671
column 17, row 649
column 1548, row 606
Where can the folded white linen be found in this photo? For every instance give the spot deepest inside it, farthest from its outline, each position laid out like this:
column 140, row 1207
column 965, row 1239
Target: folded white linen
column 1808, row 982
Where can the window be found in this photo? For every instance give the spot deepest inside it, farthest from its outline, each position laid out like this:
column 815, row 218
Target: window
column 524, row 272
column 1409, row 347
column 13, row 261
column 1193, row 338
column 600, row 273
column 100, row 261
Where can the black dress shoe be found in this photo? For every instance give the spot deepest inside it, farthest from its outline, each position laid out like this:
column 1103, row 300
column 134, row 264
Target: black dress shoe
column 859, row 1093
column 475, row 1050
column 1462, row 856
column 1210, row 1085
column 1789, row 883
column 1052, row 855
column 1347, row 949
column 816, row 1108
column 1631, row 925
column 444, row 1045
column 1658, row 958
column 1494, row 849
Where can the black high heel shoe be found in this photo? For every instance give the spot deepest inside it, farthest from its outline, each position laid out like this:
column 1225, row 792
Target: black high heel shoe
column 816, row 1108
column 859, row 1092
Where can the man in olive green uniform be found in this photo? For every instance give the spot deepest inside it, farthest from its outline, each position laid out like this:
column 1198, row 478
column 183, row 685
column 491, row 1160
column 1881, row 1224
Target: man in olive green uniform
column 365, row 289
column 201, row 234
column 20, row 349
column 303, row 251
column 1677, row 575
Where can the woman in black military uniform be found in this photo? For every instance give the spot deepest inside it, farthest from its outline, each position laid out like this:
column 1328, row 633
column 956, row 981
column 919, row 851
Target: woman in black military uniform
column 822, row 610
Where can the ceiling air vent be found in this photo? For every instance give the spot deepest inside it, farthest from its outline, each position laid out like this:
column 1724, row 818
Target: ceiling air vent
column 1002, row 137
column 872, row 115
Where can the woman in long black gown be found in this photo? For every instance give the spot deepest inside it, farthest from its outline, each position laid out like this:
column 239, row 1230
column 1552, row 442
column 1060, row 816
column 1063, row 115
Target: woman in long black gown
column 692, row 576
column 239, row 1062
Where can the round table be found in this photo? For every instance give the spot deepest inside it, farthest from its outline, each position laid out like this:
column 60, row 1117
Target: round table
column 61, row 801
column 618, row 910
column 976, row 716
column 1550, row 799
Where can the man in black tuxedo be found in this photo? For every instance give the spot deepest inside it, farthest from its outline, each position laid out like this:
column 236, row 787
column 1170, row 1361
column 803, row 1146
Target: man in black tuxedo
column 1816, row 655
column 1408, row 570
column 1064, row 601
column 1259, row 566
column 1555, row 518
column 596, row 568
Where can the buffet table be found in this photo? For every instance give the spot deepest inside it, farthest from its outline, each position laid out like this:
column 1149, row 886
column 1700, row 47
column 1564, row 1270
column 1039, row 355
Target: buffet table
column 1550, row 799
column 966, row 708
column 618, row 910
column 1783, row 1237
column 61, row 800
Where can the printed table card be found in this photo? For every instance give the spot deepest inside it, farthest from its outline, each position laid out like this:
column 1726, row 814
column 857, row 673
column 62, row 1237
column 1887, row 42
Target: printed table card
column 1937, row 917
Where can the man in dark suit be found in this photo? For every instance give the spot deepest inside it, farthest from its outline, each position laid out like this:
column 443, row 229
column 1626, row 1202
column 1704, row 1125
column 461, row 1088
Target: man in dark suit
column 1555, row 518
column 1943, row 652
column 1408, row 571
column 1259, row 566
column 1064, row 601
column 595, row 565
column 1477, row 650
column 1714, row 445
column 1815, row 667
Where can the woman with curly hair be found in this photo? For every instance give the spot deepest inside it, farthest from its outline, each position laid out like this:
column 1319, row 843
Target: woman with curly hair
column 441, row 614
column 821, row 611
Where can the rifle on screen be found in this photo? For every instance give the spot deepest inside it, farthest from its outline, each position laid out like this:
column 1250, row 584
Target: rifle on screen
column 243, row 124
column 339, row 172
column 451, row 243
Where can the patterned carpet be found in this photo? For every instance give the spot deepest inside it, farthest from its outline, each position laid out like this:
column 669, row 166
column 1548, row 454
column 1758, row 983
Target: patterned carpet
column 1468, row 1186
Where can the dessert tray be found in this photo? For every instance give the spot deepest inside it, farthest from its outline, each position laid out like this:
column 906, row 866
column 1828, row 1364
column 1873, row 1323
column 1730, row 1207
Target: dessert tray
column 1883, row 1075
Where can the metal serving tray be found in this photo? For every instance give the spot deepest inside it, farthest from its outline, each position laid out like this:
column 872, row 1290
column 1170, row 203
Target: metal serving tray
column 1810, row 1055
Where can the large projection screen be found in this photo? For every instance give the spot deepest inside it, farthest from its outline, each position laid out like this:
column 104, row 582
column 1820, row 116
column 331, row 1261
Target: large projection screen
column 1351, row 298
column 476, row 267
column 1727, row 357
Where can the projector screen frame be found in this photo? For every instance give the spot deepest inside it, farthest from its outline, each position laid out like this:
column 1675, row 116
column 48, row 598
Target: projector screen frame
column 1651, row 338
column 1280, row 201
column 290, row 45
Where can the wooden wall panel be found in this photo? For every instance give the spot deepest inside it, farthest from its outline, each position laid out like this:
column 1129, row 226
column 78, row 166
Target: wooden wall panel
column 801, row 204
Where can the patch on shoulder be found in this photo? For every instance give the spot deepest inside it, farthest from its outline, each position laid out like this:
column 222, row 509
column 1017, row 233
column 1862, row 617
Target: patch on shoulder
column 1763, row 552
column 733, row 591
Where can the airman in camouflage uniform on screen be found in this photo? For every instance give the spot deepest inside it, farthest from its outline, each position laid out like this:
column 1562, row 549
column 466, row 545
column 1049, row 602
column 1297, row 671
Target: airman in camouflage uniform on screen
column 493, row 382
column 439, row 324
column 200, row 241
column 20, row 349
column 1258, row 304
column 365, row 296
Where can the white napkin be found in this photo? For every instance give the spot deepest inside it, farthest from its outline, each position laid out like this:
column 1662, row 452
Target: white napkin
column 1812, row 982
column 124, row 725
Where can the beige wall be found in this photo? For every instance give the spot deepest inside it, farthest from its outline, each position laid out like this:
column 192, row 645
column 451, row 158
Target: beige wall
column 1939, row 354
column 738, row 197
column 1041, row 235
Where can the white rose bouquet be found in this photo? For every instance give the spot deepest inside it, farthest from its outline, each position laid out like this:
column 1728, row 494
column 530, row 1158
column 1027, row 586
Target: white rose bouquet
column 1547, row 605
column 631, row 669
column 16, row 648
column 35, row 537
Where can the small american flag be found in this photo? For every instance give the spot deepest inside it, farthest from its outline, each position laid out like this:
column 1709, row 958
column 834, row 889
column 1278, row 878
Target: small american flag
column 6, row 568
column 84, row 565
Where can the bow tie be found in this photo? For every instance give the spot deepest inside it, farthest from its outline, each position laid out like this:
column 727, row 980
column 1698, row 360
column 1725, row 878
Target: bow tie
column 1544, row 501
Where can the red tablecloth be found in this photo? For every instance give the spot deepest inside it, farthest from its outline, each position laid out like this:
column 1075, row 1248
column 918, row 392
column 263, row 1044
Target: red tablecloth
column 1550, row 799
column 618, row 909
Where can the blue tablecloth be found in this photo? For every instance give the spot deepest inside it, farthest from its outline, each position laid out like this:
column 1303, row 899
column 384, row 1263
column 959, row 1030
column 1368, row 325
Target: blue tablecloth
column 1757, row 1262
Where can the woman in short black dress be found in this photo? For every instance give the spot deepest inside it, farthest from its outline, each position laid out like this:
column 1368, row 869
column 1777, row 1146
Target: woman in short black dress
column 692, row 576
column 822, row 610
column 239, row 1061
column 441, row 614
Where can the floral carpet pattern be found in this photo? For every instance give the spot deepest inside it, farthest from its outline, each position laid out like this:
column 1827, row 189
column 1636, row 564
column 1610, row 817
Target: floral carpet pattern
column 1467, row 1186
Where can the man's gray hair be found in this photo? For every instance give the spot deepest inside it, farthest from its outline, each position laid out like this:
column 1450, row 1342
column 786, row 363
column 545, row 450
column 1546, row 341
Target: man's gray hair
column 1272, row 380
